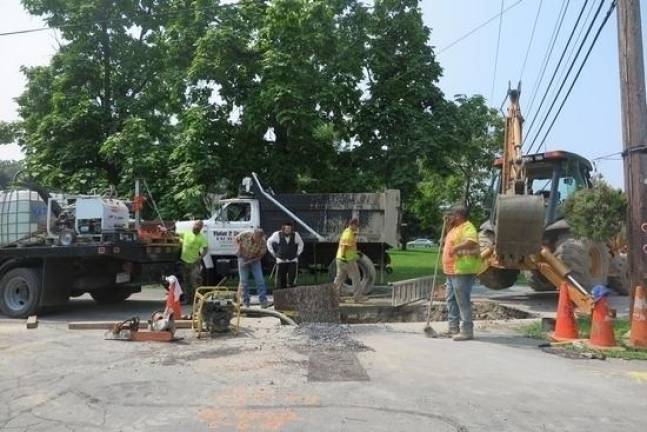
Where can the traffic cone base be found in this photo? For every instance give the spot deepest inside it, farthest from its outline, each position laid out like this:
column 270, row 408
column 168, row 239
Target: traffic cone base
column 638, row 333
column 601, row 327
column 565, row 327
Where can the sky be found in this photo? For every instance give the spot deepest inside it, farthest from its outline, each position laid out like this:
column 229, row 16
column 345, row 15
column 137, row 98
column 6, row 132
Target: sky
column 589, row 123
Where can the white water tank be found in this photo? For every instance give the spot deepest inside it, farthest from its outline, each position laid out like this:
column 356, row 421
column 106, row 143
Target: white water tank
column 22, row 214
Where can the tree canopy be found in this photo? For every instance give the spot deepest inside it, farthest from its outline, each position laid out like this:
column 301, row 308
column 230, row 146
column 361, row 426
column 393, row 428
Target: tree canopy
column 314, row 95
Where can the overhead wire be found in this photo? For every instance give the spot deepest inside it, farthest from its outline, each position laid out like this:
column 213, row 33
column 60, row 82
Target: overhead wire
column 549, row 51
column 532, row 36
column 577, row 39
column 101, row 21
column 477, row 28
column 557, row 67
column 577, row 75
column 498, row 44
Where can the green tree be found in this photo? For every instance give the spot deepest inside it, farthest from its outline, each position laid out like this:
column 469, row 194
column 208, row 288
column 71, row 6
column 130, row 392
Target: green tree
column 8, row 170
column 475, row 132
column 101, row 111
column 597, row 213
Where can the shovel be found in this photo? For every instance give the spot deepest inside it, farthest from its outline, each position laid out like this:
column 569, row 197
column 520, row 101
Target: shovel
column 430, row 332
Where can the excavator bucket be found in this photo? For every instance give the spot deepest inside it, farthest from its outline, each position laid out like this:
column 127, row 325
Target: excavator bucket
column 519, row 227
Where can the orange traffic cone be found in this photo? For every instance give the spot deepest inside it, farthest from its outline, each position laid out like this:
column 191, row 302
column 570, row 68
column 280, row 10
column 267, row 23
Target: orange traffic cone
column 565, row 327
column 638, row 335
column 601, row 326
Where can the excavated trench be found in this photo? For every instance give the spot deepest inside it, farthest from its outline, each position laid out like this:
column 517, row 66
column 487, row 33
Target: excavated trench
column 318, row 304
column 367, row 314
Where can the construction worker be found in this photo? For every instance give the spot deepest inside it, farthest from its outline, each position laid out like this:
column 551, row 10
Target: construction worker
column 251, row 247
column 194, row 248
column 461, row 262
column 346, row 261
column 285, row 246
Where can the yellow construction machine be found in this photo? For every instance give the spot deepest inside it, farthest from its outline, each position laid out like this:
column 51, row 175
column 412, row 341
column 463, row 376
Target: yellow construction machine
column 525, row 231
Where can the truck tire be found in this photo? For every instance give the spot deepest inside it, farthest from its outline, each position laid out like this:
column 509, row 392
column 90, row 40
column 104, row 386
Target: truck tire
column 588, row 261
column 110, row 295
column 20, row 291
column 619, row 274
column 366, row 271
column 495, row 278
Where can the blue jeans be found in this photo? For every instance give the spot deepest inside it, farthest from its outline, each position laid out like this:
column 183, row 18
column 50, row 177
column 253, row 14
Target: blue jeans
column 459, row 306
column 256, row 270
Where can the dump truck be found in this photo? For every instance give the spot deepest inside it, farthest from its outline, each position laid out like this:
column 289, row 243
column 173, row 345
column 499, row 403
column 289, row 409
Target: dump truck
column 318, row 217
column 526, row 230
column 53, row 247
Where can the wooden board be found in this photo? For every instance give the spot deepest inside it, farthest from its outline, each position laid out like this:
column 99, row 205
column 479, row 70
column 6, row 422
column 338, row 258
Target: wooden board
column 107, row 325
column 32, row 322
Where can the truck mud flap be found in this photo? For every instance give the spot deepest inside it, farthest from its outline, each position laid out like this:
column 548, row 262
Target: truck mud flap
column 56, row 281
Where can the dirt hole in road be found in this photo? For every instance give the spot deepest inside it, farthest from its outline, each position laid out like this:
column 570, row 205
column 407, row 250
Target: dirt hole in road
column 367, row 314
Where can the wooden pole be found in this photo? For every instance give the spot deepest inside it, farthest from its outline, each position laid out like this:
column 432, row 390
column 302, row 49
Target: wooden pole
column 634, row 136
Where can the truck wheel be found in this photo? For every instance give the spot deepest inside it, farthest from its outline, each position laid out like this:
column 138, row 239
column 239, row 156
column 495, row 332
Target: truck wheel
column 619, row 274
column 110, row 295
column 495, row 278
column 20, row 291
column 588, row 261
column 366, row 272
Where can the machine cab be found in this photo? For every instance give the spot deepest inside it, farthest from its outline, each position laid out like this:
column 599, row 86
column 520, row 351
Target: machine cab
column 554, row 175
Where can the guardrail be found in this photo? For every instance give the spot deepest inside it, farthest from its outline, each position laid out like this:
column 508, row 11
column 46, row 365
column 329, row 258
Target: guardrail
column 411, row 290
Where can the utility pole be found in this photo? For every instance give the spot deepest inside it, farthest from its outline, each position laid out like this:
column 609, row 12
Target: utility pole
column 634, row 137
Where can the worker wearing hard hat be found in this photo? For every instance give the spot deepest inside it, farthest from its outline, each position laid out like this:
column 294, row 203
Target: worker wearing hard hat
column 461, row 262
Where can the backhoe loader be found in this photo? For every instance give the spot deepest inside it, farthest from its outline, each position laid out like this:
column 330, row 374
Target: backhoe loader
column 526, row 230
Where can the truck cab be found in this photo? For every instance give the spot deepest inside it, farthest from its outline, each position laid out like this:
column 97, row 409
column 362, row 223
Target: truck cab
column 231, row 218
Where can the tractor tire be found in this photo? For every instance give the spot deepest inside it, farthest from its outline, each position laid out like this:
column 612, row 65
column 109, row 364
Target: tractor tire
column 366, row 271
column 495, row 278
column 619, row 275
column 20, row 291
column 111, row 295
column 588, row 261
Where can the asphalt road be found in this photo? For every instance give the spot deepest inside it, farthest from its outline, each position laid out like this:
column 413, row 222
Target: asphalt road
column 275, row 378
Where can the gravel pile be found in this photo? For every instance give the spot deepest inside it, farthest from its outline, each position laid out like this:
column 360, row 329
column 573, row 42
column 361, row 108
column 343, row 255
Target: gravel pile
column 329, row 336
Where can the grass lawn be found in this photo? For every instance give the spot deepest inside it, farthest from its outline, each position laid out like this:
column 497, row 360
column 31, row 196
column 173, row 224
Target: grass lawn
column 413, row 263
column 620, row 328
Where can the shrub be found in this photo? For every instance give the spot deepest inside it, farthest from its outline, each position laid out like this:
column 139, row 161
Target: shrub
column 597, row 213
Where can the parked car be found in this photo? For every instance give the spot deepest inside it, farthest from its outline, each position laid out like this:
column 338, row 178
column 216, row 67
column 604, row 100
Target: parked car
column 421, row 242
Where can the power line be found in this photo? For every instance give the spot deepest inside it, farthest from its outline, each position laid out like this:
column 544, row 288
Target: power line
column 532, row 36
column 477, row 28
column 579, row 71
column 559, row 63
column 498, row 44
column 104, row 21
column 568, row 72
column 549, row 52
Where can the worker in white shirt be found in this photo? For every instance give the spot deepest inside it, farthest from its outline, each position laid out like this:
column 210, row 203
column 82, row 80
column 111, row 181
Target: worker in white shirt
column 285, row 246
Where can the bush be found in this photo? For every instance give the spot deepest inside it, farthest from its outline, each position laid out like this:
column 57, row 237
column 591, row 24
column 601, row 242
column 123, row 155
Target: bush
column 597, row 213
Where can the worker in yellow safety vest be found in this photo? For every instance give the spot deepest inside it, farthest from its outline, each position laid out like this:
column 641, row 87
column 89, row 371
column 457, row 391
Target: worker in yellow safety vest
column 346, row 261
column 461, row 263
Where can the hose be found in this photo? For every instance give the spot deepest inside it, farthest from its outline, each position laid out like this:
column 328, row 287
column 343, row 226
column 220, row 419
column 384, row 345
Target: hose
column 256, row 312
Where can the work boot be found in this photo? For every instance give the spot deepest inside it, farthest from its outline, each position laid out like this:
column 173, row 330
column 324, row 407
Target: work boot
column 464, row 335
column 453, row 331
